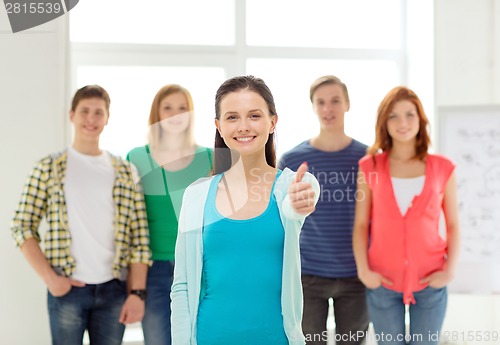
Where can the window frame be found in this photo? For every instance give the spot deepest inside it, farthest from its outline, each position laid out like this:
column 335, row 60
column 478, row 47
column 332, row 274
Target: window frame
column 232, row 59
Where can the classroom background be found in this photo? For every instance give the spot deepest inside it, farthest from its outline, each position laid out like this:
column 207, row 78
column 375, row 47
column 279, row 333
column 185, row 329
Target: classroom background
column 448, row 51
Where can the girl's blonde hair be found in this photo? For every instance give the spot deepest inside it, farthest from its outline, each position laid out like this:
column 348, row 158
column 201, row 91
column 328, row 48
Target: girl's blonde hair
column 155, row 131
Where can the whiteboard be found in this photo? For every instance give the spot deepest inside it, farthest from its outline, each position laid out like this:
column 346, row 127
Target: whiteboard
column 470, row 136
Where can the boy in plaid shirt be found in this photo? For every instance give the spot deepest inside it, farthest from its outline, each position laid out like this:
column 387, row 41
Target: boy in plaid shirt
column 97, row 238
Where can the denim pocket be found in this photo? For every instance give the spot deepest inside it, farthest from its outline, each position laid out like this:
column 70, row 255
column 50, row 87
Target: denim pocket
column 431, row 297
column 62, row 296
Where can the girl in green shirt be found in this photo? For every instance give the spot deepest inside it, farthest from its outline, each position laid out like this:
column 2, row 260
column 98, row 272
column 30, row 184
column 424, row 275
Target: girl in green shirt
column 167, row 165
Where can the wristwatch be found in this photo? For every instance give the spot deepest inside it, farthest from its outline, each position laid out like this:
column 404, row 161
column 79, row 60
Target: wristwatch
column 140, row 293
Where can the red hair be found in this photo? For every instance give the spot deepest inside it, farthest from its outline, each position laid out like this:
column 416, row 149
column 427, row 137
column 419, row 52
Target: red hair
column 383, row 141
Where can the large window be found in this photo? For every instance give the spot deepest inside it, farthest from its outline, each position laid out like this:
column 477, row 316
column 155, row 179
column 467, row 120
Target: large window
column 353, row 24
column 133, row 48
column 132, row 89
column 290, row 80
column 154, row 22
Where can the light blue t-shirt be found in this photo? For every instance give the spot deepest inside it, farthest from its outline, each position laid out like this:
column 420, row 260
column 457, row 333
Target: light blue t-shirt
column 242, row 274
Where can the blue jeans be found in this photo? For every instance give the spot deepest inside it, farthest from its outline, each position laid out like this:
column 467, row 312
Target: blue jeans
column 387, row 313
column 156, row 322
column 94, row 307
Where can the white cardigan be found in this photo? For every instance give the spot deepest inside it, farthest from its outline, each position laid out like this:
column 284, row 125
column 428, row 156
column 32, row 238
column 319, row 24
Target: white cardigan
column 186, row 288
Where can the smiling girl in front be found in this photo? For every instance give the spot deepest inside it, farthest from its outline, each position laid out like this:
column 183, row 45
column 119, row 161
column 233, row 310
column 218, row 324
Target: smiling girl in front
column 237, row 272
column 400, row 255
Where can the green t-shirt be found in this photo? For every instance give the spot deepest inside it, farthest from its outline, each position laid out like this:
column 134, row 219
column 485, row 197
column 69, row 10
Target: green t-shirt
column 163, row 192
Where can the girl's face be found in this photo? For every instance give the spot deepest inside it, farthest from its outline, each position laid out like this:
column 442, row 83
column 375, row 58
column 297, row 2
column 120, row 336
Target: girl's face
column 245, row 122
column 403, row 122
column 330, row 104
column 174, row 113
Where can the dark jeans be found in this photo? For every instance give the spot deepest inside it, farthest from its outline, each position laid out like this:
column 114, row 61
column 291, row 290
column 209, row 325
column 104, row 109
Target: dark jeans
column 94, row 307
column 156, row 322
column 350, row 310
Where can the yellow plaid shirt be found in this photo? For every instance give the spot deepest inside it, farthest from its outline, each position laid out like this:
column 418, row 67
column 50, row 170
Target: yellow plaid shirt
column 43, row 196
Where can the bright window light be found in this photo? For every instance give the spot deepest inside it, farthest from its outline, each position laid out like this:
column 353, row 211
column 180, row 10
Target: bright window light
column 153, row 22
column 289, row 80
column 132, row 90
column 364, row 24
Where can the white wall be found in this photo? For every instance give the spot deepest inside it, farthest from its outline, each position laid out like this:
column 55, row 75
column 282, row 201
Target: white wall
column 467, row 47
column 33, row 103
column 466, row 42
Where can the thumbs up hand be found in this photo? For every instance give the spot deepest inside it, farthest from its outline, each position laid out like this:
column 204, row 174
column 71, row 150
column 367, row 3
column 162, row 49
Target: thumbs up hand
column 301, row 193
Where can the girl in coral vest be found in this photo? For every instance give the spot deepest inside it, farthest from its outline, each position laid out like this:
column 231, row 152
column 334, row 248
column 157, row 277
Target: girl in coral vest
column 401, row 257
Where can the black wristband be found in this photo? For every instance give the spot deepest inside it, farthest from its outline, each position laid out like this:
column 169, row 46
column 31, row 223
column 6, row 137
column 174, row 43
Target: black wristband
column 140, row 293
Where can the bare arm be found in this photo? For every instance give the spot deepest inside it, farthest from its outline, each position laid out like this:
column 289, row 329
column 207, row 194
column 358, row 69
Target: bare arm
column 361, row 221
column 133, row 308
column 450, row 207
column 33, row 254
column 57, row 285
column 369, row 278
column 137, row 276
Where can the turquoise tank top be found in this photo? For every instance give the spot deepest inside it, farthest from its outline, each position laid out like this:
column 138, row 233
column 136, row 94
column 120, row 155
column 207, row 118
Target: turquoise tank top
column 242, row 277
